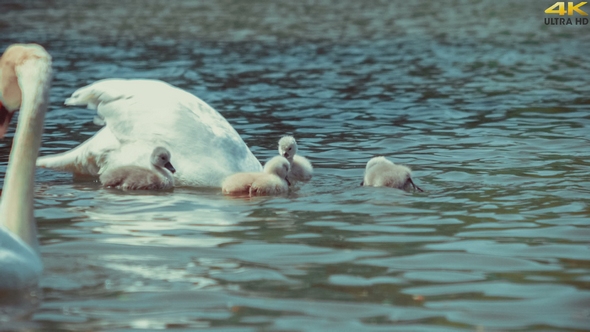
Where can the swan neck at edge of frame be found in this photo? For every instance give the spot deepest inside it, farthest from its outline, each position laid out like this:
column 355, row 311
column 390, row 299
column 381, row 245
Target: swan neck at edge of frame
column 17, row 203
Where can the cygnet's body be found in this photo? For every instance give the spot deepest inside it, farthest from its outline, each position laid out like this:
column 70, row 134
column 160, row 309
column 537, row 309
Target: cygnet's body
column 133, row 177
column 381, row 172
column 301, row 169
column 272, row 181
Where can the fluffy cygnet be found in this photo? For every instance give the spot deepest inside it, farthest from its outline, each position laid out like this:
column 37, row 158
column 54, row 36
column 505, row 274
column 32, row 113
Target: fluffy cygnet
column 158, row 177
column 301, row 169
column 272, row 181
column 381, row 172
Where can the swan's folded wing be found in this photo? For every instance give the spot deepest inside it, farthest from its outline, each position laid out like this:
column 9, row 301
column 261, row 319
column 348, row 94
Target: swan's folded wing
column 205, row 148
column 111, row 89
column 162, row 114
column 89, row 157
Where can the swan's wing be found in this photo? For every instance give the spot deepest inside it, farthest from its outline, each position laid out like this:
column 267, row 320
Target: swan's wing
column 87, row 158
column 112, row 89
column 142, row 109
column 91, row 156
column 205, row 148
column 99, row 153
column 199, row 139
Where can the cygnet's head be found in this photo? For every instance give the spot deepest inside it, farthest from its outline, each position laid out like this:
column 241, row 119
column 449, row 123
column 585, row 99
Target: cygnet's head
column 161, row 158
column 278, row 165
column 287, row 147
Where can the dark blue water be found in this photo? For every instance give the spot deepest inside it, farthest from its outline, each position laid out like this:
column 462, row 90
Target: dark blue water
column 487, row 104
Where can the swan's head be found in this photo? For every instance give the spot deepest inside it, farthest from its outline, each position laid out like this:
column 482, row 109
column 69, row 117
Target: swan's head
column 287, row 147
column 14, row 63
column 161, row 158
column 279, row 166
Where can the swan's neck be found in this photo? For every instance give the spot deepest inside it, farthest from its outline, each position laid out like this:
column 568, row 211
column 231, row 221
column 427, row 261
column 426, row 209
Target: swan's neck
column 16, row 208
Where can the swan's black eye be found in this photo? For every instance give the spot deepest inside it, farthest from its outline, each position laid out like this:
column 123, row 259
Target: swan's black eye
column 290, row 149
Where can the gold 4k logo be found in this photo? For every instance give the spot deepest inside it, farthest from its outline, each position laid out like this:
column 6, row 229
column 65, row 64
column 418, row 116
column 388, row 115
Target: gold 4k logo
column 559, row 8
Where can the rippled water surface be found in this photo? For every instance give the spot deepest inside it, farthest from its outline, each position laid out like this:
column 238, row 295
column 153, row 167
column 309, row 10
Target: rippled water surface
column 486, row 103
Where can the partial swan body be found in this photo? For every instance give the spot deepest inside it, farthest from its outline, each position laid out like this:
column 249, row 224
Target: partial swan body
column 270, row 182
column 381, row 172
column 301, row 169
column 25, row 77
column 157, row 176
column 142, row 114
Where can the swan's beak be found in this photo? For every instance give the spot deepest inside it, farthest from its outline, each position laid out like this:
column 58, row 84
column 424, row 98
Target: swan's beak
column 286, row 155
column 5, row 117
column 289, row 183
column 362, row 183
column 169, row 167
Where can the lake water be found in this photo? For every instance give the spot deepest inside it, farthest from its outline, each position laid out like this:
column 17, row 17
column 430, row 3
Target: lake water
column 487, row 104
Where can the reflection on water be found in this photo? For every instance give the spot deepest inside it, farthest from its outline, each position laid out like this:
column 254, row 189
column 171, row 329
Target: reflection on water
column 487, row 104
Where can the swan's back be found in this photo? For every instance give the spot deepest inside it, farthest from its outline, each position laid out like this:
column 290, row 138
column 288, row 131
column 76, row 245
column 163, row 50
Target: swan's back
column 20, row 266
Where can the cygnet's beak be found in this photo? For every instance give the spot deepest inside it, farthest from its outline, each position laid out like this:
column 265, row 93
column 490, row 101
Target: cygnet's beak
column 289, row 183
column 286, row 155
column 169, row 167
column 5, row 117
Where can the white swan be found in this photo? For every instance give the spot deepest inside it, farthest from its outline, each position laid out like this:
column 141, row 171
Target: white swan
column 25, row 76
column 273, row 181
column 301, row 169
column 143, row 114
column 156, row 176
column 381, row 172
